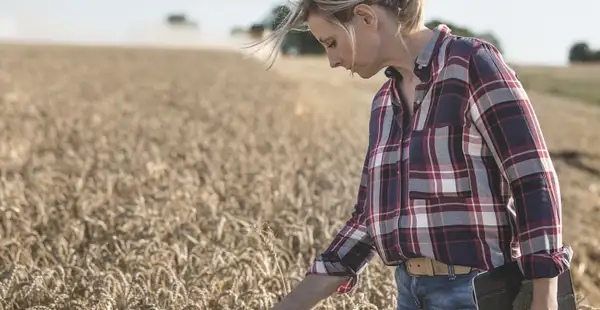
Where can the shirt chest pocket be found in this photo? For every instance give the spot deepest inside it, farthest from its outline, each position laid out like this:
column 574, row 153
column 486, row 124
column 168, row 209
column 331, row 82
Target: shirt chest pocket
column 437, row 165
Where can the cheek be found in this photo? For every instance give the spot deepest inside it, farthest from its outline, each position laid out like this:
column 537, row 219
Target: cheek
column 343, row 50
column 351, row 50
column 366, row 50
column 364, row 54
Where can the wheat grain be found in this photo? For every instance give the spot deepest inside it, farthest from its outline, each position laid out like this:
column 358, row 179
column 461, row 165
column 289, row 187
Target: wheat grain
column 145, row 179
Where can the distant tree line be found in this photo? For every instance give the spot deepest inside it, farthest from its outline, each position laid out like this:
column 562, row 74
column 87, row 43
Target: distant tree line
column 180, row 20
column 581, row 52
column 303, row 42
column 466, row 32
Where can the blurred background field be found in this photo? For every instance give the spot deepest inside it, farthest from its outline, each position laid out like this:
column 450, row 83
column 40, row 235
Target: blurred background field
column 136, row 176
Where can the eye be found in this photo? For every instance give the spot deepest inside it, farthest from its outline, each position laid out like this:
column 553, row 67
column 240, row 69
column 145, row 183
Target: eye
column 332, row 44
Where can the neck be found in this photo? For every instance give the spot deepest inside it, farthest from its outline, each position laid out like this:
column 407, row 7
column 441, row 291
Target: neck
column 403, row 56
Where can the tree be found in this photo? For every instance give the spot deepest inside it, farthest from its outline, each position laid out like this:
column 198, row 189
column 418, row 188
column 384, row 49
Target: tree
column 465, row 32
column 256, row 30
column 296, row 42
column 180, row 20
column 303, row 42
column 277, row 16
column 581, row 52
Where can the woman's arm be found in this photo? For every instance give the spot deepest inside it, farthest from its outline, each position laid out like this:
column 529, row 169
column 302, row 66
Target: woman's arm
column 337, row 269
column 310, row 291
column 503, row 114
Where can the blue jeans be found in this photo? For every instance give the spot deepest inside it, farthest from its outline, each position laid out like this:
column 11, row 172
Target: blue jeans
column 435, row 292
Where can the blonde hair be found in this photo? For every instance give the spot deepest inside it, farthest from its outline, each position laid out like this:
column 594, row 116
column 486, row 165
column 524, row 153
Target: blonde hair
column 409, row 15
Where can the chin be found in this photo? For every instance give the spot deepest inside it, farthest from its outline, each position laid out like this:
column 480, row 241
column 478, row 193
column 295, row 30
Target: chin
column 365, row 74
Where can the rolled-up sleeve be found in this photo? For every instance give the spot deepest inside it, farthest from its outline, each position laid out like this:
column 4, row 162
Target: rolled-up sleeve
column 503, row 114
column 352, row 248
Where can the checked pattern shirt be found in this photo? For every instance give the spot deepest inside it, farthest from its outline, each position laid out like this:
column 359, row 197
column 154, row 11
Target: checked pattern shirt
column 467, row 180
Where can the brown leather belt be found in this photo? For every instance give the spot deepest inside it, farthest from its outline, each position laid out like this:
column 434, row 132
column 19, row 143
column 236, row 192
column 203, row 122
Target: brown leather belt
column 424, row 266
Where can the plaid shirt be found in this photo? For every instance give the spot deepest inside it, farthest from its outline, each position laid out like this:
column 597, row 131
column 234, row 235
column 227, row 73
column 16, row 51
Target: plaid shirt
column 467, row 181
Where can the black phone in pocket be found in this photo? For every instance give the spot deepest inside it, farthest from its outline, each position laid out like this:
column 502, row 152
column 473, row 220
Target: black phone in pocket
column 505, row 288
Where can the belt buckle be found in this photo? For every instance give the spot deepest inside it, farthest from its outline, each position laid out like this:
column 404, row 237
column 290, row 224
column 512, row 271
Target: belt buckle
column 420, row 266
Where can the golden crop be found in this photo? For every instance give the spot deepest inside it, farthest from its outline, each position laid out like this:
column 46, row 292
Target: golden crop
column 163, row 179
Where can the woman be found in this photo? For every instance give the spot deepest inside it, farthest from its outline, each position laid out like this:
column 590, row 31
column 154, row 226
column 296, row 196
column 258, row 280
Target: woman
column 457, row 177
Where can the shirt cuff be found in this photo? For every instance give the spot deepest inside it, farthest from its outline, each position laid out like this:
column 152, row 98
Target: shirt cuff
column 546, row 264
column 320, row 267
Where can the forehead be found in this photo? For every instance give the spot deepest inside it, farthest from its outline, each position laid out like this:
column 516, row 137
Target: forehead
column 321, row 27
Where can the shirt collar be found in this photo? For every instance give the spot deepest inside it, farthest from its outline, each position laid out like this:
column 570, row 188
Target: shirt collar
column 429, row 51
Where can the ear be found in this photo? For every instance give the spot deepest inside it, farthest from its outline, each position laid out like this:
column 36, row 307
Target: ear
column 366, row 15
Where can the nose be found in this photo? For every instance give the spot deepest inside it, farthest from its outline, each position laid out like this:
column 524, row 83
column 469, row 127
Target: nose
column 334, row 63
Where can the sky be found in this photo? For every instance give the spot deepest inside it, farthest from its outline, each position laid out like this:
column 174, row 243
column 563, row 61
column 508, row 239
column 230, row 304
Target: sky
column 533, row 32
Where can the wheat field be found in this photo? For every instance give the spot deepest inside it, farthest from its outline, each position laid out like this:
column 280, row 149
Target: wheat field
column 194, row 179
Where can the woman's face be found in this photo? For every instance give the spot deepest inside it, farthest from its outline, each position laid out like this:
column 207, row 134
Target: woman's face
column 338, row 44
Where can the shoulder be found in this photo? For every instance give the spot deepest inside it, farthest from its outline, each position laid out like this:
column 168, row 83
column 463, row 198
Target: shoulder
column 478, row 58
column 466, row 47
column 468, row 51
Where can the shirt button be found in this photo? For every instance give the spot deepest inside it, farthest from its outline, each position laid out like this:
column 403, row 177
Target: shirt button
column 418, row 102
